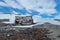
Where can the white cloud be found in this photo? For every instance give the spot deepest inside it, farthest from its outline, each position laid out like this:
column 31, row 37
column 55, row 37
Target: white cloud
column 57, row 17
column 47, row 11
column 54, row 22
column 2, row 4
column 42, row 6
column 11, row 17
column 38, row 19
column 13, row 4
column 28, row 14
column 14, row 12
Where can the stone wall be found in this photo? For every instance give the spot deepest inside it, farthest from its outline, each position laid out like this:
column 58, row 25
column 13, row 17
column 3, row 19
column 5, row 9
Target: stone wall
column 24, row 20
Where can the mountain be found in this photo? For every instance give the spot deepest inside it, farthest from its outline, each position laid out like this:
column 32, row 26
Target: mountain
column 47, row 25
column 57, row 20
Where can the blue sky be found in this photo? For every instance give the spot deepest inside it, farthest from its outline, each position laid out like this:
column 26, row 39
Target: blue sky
column 9, row 9
column 47, row 9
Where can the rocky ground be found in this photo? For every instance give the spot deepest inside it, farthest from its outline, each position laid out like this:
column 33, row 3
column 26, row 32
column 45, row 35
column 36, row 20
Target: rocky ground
column 44, row 31
column 54, row 28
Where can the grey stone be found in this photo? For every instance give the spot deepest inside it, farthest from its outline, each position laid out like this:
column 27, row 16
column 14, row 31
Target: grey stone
column 24, row 20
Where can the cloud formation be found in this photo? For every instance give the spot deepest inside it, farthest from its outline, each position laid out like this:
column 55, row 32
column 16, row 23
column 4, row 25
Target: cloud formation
column 40, row 20
column 42, row 6
column 13, row 4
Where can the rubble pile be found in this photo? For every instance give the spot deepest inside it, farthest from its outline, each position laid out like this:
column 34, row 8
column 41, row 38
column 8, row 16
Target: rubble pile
column 25, row 34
